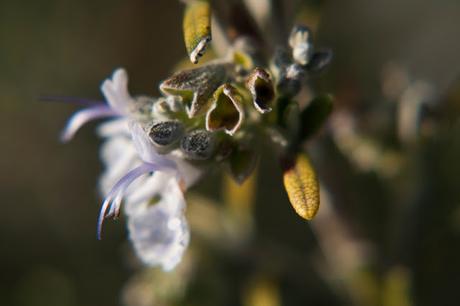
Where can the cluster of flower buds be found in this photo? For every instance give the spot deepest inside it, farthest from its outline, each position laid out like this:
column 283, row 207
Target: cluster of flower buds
column 219, row 108
column 215, row 114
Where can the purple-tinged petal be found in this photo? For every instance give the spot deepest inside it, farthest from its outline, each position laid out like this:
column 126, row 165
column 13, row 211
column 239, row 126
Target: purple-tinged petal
column 145, row 148
column 113, row 199
column 119, row 156
column 116, row 91
column 81, row 117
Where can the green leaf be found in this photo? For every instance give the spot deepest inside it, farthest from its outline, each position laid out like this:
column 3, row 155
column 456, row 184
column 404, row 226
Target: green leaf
column 319, row 61
column 242, row 163
column 313, row 117
column 197, row 28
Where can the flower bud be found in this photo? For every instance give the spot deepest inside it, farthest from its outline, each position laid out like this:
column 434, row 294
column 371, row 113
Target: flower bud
column 198, row 145
column 300, row 42
column 166, row 133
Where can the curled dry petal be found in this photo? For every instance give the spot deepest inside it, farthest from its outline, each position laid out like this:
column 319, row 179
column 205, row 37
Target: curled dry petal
column 197, row 28
column 226, row 111
column 196, row 86
column 301, row 186
column 261, row 87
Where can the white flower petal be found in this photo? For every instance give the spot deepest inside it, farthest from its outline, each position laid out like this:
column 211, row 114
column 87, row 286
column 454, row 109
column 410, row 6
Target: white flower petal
column 113, row 200
column 140, row 194
column 115, row 127
column 119, row 157
column 160, row 233
column 145, row 148
column 116, row 91
column 186, row 172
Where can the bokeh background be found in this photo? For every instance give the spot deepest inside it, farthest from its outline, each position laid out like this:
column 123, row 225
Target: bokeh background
column 394, row 237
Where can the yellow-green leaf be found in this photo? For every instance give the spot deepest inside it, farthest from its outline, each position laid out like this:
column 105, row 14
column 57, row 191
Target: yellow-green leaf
column 197, row 28
column 302, row 186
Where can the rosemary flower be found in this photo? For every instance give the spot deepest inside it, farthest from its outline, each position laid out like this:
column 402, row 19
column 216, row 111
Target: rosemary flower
column 213, row 115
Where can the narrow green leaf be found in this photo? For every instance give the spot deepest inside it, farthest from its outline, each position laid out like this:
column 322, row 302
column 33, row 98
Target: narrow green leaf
column 197, row 28
column 319, row 61
column 313, row 117
column 242, row 163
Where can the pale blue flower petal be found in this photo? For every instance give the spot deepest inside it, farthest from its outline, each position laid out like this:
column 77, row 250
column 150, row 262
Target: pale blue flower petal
column 145, row 148
column 116, row 91
column 113, row 200
column 81, row 117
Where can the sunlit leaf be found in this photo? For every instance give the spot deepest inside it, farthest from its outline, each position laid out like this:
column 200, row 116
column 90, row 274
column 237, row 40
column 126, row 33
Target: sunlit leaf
column 301, row 186
column 197, row 28
column 243, row 59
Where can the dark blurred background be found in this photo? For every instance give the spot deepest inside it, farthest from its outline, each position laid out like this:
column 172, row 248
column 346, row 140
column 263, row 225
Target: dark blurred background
column 49, row 253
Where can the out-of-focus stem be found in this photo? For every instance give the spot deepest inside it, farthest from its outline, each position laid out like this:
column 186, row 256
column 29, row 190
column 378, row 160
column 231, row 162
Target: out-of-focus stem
column 347, row 257
column 234, row 16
